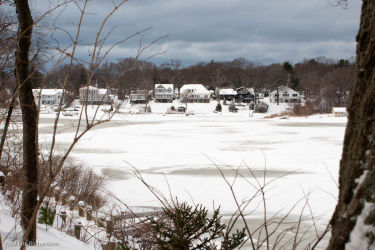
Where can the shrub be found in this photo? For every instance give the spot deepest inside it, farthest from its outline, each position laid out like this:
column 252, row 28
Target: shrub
column 232, row 108
column 46, row 215
column 148, row 110
column 182, row 226
column 303, row 110
column 218, row 107
column 75, row 180
column 261, row 107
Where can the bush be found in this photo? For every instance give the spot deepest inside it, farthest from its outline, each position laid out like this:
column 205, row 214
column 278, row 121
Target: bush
column 46, row 214
column 232, row 108
column 218, row 107
column 261, row 107
column 303, row 110
column 148, row 110
column 75, row 180
column 182, row 226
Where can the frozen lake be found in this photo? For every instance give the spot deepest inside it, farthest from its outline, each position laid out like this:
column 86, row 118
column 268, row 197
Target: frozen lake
column 182, row 154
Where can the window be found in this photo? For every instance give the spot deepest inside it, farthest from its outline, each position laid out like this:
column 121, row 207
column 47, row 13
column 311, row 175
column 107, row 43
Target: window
column 294, row 95
column 286, row 94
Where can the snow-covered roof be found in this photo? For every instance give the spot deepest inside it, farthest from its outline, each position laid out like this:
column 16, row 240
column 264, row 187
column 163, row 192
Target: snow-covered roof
column 339, row 109
column 227, row 92
column 197, row 88
column 90, row 88
column 166, row 86
column 102, row 91
column 283, row 89
column 48, row 91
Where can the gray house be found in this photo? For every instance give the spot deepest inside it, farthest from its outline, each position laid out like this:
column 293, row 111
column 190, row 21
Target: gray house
column 163, row 93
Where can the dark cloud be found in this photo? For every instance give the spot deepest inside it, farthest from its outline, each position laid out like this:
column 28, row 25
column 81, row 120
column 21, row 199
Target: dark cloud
column 261, row 31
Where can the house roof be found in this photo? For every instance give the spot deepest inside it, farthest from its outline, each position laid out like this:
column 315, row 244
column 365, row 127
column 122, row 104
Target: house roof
column 227, row 92
column 197, row 88
column 47, row 91
column 339, row 109
column 90, row 88
column 102, row 91
column 283, row 88
column 249, row 90
column 166, row 86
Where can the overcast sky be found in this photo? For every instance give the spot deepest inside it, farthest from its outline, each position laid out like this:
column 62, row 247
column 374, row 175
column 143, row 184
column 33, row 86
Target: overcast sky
column 262, row 31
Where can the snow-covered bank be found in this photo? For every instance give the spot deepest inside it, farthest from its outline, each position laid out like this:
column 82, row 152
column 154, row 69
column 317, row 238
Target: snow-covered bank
column 46, row 239
column 202, row 108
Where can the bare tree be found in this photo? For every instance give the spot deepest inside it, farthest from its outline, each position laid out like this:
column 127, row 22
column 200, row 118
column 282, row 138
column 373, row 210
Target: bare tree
column 29, row 118
column 177, row 81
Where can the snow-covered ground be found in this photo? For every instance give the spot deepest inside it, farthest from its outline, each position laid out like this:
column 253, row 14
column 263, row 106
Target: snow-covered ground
column 297, row 156
column 50, row 238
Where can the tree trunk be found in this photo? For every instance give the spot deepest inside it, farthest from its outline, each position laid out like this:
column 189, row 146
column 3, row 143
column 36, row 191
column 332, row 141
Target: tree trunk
column 6, row 125
column 353, row 222
column 29, row 118
column 277, row 93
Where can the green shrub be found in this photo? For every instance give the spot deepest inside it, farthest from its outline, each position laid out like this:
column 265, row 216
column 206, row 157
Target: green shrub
column 218, row 107
column 46, row 215
column 183, row 226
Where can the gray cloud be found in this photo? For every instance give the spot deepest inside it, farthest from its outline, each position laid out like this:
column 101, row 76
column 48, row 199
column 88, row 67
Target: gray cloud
column 259, row 30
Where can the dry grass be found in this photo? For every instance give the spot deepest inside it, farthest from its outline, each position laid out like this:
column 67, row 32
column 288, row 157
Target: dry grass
column 279, row 115
column 297, row 111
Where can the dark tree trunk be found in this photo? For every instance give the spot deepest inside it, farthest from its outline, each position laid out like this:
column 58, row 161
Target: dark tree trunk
column 357, row 166
column 6, row 125
column 29, row 118
column 277, row 93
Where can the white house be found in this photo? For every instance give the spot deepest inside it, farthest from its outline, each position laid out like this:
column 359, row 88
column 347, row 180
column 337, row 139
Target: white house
column 163, row 93
column 47, row 96
column 194, row 93
column 106, row 97
column 285, row 95
column 140, row 96
column 339, row 111
column 95, row 96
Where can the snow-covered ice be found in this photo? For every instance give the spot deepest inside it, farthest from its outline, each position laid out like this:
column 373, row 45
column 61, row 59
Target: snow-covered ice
column 185, row 150
column 298, row 155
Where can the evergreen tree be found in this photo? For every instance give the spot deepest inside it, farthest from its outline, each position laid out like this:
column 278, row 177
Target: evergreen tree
column 46, row 215
column 189, row 227
column 218, row 107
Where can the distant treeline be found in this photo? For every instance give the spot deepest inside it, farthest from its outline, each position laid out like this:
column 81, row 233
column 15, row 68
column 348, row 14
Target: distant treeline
column 325, row 82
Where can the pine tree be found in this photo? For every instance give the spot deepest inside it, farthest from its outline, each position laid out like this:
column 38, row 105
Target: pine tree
column 218, row 107
column 183, row 226
column 46, row 215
